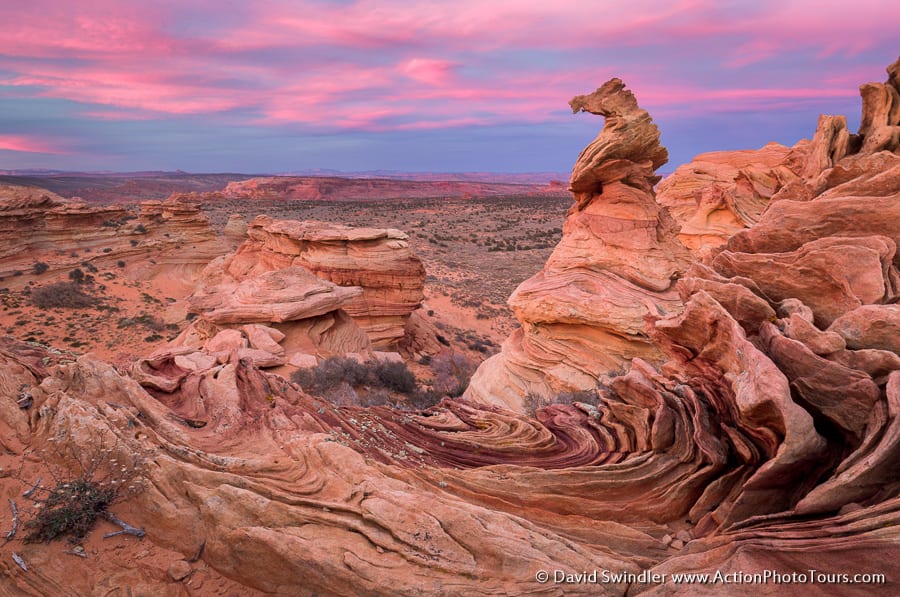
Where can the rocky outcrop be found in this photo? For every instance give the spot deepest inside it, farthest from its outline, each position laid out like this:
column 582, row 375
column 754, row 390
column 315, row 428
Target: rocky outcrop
column 64, row 234
column 583, row 315
column 719, row 194
column 378, row 261
column 760, row 437
column 323, row 288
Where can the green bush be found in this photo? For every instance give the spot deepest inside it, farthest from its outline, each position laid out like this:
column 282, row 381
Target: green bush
column 40, row 267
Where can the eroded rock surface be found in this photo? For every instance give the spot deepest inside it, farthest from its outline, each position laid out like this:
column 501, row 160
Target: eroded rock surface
column 165, row 238
column 377, row 261
column 754, row 427
column 617, row 263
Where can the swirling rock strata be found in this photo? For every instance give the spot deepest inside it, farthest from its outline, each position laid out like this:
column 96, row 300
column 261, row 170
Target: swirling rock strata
column 583, row 314
column 764, row 437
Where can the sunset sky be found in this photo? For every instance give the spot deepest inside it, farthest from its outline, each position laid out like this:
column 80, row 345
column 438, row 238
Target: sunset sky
column 462, row 85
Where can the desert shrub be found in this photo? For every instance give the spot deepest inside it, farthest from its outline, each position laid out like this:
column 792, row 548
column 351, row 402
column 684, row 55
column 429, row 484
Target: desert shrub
column 140, row 229
column 94, row 480
column 376, row 397
column 452, row 372
column 395, row 376
column 40, row 267
column 329, row 377
column 70, row 509
column 330, row 373
column 76, row 275
column 65, row 295
column 534, row 401
column 421, row 399
column 147, row 321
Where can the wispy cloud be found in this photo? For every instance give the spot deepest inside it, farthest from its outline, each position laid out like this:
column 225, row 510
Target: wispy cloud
column 29, row 144
column 407, row 65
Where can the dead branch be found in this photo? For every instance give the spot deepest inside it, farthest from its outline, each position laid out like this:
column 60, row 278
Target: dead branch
column 34, row 488
column 15, row 521
column 18, row 560
column 127, row 529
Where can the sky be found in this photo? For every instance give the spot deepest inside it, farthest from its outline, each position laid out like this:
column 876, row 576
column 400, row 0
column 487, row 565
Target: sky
column 269, row 86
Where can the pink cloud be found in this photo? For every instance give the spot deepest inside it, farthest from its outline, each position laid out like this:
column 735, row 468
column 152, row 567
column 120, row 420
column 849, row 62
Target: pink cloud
column 428, row 71
column 28, row 144
column 411, row 65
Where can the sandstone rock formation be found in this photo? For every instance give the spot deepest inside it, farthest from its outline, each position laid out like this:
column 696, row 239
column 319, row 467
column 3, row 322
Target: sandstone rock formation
column 66, row 233
column 322, row 288
column 757, row 430
column 718, row 194
column 378, row 261
column 583, row 315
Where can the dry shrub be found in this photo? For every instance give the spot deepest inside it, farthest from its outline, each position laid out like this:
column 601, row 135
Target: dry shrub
column 332, row 377
column 82, row 491
column 452, row 372
column 62, row 295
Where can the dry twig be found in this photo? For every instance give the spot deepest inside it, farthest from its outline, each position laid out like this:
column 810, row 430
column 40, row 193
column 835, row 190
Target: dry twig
column 127, row 529
column 15, row 521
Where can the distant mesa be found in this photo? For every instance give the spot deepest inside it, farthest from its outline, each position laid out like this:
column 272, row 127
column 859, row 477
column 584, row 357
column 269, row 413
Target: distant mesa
column 339, row 188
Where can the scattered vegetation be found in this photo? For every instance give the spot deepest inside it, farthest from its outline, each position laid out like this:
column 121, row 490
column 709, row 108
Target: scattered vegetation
column 343, row 380
column 330, row 375
column 452, row 372
column 40, row 267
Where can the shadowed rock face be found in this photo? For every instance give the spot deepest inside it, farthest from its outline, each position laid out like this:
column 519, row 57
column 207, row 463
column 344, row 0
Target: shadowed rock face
column 762, row 436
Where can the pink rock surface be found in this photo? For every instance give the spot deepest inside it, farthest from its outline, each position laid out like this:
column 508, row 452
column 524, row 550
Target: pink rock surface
column 379, row 261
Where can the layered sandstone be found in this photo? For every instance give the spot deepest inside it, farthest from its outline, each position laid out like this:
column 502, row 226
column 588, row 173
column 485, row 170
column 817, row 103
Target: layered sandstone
column 324, row 289
column 719, row 194
column 67, row 233
column 617, row 263
column 379, row 261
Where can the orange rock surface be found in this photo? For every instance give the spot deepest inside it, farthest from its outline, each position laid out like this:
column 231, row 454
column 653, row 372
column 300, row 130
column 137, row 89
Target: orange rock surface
column 754, row 427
